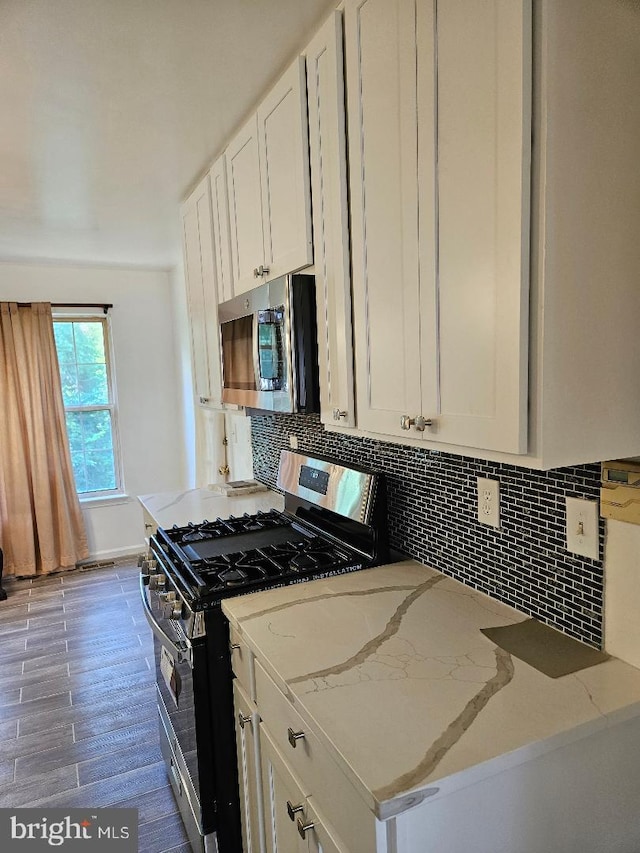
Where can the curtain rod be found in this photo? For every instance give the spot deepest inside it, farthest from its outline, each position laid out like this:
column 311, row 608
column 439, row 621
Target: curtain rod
column 104, row 305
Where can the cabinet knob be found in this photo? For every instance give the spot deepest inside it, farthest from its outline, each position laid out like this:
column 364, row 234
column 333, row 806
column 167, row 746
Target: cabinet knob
column 303, row 828
column 204, row 400
column 291, row 810
column 294, row 736
column 242, row 719
column 337, row 414
column 233, row 647
column 419, row 422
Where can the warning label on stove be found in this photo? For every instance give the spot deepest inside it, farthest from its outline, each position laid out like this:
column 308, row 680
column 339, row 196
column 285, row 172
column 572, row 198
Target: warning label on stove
column 170, row 674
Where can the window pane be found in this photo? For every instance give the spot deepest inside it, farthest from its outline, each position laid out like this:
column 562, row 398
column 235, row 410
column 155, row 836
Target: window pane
column 92, row 385
column 79, row 473
column 85, row 383
column 100, row 470
column 69, row 380
column 89, row 343
column 63, row 333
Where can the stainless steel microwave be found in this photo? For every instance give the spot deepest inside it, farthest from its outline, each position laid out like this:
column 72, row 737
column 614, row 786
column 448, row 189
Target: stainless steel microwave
column 270, row 348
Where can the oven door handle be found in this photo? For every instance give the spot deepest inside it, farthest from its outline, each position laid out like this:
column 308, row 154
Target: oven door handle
column 180, row 650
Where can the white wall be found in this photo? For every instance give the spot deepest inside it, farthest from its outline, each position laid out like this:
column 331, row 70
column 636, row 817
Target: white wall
column 147, row 321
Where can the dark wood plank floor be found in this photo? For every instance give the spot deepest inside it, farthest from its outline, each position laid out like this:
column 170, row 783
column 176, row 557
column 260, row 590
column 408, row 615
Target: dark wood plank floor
column 78, row 722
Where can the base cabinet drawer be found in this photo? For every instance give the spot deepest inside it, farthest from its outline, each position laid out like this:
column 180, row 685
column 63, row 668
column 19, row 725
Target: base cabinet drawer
column 309, row 760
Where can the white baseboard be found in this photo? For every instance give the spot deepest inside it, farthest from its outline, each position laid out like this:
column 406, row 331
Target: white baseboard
column 114, row 554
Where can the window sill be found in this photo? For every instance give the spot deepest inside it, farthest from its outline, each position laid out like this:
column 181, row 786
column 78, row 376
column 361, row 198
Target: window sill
column 104, row 500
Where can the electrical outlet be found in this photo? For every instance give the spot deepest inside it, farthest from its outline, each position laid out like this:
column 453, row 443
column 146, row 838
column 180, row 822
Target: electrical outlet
column 293, row 442
column 489, row 502
column 582, row 527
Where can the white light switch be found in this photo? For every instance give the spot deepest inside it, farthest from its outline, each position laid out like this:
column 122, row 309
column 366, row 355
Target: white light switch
column 582, row 528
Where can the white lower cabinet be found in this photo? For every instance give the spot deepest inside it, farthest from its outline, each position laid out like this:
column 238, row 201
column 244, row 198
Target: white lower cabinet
column 292, row 823
column 248, row 748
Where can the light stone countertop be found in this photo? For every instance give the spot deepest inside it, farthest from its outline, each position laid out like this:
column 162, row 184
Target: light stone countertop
column 389, row 667
column 169, row 508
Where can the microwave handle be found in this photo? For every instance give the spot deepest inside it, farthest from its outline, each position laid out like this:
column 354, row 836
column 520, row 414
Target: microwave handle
column 181, row 652
column 256, row 351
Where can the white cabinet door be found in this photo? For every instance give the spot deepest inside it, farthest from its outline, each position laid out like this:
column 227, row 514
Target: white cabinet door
column 201, row 295
column 245, row 210
column 221, row 234
column 380, row 44
column 250, row 783
column 284, row 801
column 439, row 136
column 284, row 173
column 320, row 835
column 327, row 147
column 483, row 177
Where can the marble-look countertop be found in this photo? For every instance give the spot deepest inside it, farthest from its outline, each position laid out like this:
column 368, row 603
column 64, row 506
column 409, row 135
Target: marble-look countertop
column 389, row 666
column 169, row 508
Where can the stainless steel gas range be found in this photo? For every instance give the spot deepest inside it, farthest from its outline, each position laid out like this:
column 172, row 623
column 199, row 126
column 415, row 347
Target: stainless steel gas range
column 334, row 522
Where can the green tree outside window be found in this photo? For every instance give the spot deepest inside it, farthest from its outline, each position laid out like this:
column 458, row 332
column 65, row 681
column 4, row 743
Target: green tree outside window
column 88, row 401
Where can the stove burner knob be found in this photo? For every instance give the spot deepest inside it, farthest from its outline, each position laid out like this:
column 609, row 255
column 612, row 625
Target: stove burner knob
column 176, row 611
column 148, row 566
column 157, row 581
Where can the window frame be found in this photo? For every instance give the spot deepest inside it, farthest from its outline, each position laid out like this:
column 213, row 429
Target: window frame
column 69, row 315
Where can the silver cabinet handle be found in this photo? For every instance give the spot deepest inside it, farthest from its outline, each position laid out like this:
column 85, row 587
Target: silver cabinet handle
column 256, row 273
column 204, row 400
column 419, row 422
column 260, row 271
column 294, row 736
column 291, row 810
column 337, row 414
column 242, row 719
column 303, row 828
column 234, row 647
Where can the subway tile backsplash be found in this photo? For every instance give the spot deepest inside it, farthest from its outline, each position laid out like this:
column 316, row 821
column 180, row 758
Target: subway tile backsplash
column 433, row 517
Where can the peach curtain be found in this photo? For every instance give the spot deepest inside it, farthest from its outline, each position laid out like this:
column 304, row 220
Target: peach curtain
column 41, row 525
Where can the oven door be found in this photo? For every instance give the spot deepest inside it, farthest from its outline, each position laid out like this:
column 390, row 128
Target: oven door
column 184, row 707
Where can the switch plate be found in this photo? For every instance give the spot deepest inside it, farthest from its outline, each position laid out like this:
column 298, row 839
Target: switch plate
column 489, row 501
column 582, row 528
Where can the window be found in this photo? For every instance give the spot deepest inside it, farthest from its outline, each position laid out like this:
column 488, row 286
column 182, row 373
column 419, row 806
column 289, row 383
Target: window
column 89, row 401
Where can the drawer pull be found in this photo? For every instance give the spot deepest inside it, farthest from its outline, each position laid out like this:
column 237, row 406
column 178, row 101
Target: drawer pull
column 233, row 647
column 304, row 827
column 242, row 719
column 291, row 810
column 293, row 737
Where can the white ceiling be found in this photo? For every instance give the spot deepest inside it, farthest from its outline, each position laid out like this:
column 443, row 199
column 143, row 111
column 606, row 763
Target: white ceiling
column 110, row 109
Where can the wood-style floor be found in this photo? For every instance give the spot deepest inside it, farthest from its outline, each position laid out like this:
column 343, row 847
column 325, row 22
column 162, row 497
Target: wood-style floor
column 78, row 722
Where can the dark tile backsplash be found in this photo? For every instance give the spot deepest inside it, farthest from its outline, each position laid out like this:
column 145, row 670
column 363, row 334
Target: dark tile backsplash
column 433, row 517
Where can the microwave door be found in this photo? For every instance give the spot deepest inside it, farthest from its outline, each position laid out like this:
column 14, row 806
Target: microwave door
column 270, row 350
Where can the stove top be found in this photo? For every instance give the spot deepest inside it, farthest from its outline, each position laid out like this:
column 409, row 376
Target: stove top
column 236, row 554
column 334, row 521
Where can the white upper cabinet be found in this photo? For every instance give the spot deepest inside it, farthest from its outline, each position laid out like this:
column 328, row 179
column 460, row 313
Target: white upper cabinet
column 439, row 162
column 245, row 207
column 283, row 145
column 202, row 300
column 327, row 146
column 268, row 185
column 221, row 235
column 380, row 43
column 483, row 144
